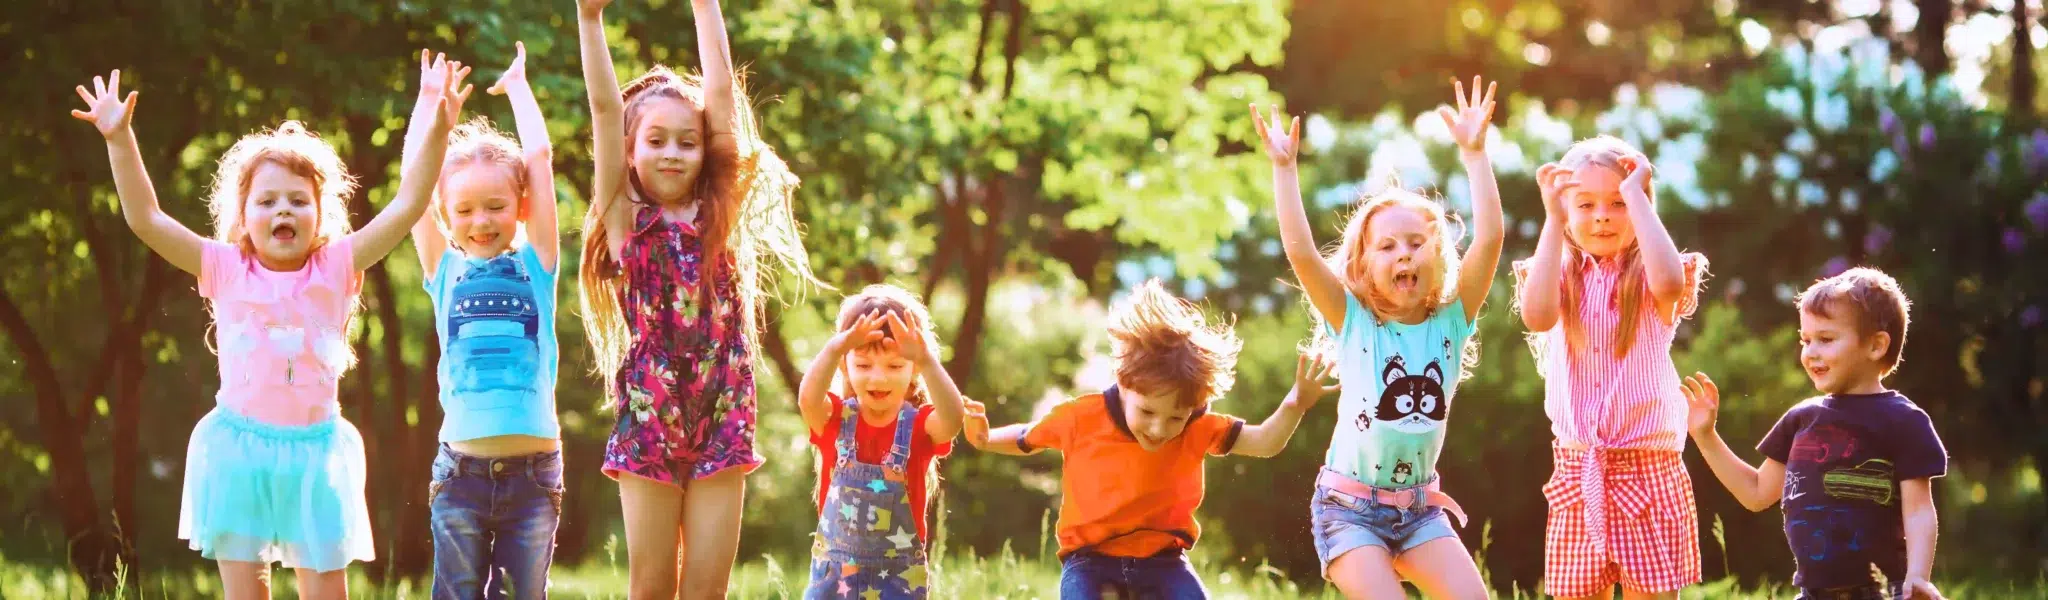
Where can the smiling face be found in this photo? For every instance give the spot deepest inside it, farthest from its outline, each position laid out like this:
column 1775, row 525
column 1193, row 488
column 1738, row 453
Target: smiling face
column 281, row 214
column 1155, row 419
column 482, row 206
column 667, row 147
column 881, row 378
column 1836, row 356
column 1597, row 216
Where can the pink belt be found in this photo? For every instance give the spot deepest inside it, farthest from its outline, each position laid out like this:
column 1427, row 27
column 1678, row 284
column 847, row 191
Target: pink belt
column 1432, row 493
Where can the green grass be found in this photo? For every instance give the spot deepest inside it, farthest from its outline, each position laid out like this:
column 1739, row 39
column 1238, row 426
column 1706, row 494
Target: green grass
column 1005, row 576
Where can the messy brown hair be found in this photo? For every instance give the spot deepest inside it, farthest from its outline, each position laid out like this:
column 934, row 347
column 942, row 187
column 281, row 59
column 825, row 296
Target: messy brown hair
column 1163, row 345
column 1875, row 302
column 746, row 192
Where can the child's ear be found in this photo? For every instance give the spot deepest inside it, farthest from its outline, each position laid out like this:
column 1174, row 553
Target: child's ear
column 1877, row 344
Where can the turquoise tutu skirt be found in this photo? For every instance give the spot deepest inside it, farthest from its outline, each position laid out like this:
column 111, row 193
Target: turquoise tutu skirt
column 290, row 494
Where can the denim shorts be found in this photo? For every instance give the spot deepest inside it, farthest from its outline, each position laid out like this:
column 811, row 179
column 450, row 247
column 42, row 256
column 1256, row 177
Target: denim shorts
column 1343, row 522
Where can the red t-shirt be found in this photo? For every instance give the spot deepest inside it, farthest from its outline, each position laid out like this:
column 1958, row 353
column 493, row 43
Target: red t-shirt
column 872, row 443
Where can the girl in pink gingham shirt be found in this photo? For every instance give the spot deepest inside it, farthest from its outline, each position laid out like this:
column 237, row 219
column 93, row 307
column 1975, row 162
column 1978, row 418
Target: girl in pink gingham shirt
column 1621, row 504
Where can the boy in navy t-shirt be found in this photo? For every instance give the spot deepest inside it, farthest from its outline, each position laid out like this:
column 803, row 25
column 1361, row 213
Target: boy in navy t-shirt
column 1853, row 466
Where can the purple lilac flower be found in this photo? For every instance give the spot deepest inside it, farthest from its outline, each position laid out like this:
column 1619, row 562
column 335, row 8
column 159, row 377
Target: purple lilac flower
column 1887, row 121
column 1877, row 239
column 1899, row 146
column 1991, row 164
column 1926, row 136
column 2030, row 317
column 2037, row 211
column 2014, row 240
column 2040, row 150
column 1835, row 266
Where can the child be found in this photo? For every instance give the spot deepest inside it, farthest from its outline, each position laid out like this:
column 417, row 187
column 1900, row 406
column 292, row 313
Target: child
column 1399, row 304
column 1602, row 298
column 1132, row 455
column 877, row 437
column 1853, row 466
column 274, row 473
column 496, row 492
column 688, row 200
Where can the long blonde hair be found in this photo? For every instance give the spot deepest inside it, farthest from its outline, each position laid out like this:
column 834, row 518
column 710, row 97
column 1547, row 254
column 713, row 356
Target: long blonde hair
column 304, row 154
column 746, row 192
column 1603, row 151
column 478, row 143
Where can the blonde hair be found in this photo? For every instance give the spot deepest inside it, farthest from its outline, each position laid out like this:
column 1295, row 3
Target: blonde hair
column 1163, row 344
column 1879, row 306
column 1437, row 275
column 478, row 143
column 885, row 298
column 302, row 153
column 746, row 192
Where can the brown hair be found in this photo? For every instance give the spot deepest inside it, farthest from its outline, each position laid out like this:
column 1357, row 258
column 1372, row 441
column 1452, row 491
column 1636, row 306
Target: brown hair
column 478, row 143
column 746, row 192
column 1163, row 344
column 885, row 298
column 302, row 153
column 1877, row 304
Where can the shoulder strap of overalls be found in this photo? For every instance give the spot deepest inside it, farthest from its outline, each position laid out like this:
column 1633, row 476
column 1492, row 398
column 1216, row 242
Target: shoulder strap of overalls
column 906, row 426
column 849, row 420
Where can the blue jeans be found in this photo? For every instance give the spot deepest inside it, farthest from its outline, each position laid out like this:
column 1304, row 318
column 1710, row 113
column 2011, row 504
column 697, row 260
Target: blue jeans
column 494, row 524
column 1342, row 523
column 1165, row 576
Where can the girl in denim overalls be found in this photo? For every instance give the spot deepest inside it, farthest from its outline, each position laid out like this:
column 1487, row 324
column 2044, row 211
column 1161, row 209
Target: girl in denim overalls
column 895, row 396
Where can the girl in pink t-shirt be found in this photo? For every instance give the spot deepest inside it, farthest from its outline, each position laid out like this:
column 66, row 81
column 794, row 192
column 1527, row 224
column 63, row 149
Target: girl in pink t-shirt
column 274, row 473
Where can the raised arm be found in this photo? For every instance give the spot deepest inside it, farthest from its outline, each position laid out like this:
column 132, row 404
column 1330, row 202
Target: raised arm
column 1538, row 299
column 1661, row 266
column 812, row 399
column 607, row 128
column 947, row 412
column 415, row 183
column 543, row 229
column 716, row 52
column 1755, row 488
column 1267, row 439
column 1468, row 126
column 436, row 75
column 110, row 113
column 1325, row 290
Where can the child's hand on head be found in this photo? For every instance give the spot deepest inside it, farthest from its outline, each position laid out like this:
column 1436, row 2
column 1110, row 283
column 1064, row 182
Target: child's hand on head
column 1703, row 400
column 1281, row 149
column 514, row 75
column 865, row 330
column 1468, row 122
column 1556, row 183
column 907, row 342
column 1311, row 371
column 110, row 112
column 1638, row 178
column 975, row 425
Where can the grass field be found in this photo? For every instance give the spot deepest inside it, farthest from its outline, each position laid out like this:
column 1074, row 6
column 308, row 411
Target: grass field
column 1004, row 576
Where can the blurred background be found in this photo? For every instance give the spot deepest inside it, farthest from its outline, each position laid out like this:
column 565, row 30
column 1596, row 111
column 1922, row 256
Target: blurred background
column 1020, row 163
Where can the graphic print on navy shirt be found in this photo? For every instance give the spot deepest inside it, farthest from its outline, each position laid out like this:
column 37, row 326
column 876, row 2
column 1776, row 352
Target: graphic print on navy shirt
column 494, row 329
column 1844, row 457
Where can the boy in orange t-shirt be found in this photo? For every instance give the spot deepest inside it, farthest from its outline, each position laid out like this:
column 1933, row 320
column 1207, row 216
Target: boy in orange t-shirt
column 1131, row 476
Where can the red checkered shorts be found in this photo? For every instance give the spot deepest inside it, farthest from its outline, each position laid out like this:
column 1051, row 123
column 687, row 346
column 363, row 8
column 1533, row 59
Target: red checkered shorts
column 1619, row 516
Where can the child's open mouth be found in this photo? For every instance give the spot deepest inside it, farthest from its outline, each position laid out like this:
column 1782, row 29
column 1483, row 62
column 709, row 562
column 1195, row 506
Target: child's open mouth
column 1405, row 281
column 483, row 239
column 284, row 233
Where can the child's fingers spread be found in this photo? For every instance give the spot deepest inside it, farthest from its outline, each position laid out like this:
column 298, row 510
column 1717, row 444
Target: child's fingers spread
column 81, row 115
column 89, row 100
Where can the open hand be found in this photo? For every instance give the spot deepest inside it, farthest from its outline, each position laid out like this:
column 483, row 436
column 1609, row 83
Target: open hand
column 514, row 75
column 1312, row 370
column 1639, row 171
column 866, row 329
column 110, row 112
column 1281, row 149
column 1703, row 403
column 452, row 100
column 1468, row 122
column 908, row 342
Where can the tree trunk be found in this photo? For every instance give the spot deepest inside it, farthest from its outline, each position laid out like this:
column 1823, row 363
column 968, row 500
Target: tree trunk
column 776, row 346
column 984, row 253
column 127, row 405
column 2024, row 80
column 1930, row 35
column 71, row 487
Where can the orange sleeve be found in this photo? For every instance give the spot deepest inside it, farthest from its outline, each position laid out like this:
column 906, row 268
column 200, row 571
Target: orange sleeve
column 1218, row 432
column 1054, row 430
